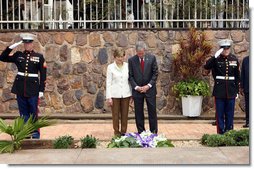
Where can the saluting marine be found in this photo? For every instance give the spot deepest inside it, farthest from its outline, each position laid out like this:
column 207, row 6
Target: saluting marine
column 27, row 85
column 226, row 75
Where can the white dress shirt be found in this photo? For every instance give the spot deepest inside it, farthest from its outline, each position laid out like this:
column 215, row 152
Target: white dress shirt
column 117, row 83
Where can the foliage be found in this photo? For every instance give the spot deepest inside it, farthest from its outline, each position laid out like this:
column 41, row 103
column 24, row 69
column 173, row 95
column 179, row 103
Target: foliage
column 204, row 138
column 187, row 9
column 215, row 140
column 191, row 87
column 188, row 63
column 145, row 139
column 240, row 138
column 63, row 142
column 193, row 52
column 20, row 130
column 89, row 142
column 230, row 138
column 123, row 142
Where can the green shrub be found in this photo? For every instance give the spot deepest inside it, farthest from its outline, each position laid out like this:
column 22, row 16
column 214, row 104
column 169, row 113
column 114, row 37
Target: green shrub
column 215, row 140
column 230, row 138
column 63, row 142
column 241, row 137
column 89, row 142
column 204, row 139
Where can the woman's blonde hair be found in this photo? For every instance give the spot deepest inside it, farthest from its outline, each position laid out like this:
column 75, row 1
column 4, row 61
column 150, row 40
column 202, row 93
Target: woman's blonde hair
column 118, row 53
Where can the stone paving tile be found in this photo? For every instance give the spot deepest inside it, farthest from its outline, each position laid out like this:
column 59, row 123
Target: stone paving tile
column 241, row 155
column 190, row 155
column 41, row 156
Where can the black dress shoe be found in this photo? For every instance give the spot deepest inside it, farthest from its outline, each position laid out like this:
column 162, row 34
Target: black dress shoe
column 214, row 123
column 246, row 126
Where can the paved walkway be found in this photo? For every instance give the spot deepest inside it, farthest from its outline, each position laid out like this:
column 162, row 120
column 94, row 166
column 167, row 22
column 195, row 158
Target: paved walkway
column 195, row 155
column 174, row 130
column 102, row 129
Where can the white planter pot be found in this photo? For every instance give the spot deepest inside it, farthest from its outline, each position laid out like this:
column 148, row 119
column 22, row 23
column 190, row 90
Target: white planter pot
column 192, row 105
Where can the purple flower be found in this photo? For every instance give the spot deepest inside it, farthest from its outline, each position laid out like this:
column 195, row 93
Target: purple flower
column 146, row 139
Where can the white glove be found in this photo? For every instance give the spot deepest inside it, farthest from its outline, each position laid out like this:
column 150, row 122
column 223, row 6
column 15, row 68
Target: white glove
column 218, row 52
column 15, row 45
column 40, row 94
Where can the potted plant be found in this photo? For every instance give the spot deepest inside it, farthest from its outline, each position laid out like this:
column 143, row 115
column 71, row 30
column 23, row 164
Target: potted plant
column 188, row 62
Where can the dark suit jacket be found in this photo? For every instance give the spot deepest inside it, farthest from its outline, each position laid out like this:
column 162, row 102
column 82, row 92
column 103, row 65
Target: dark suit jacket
column 137, row 78
column 245, row 75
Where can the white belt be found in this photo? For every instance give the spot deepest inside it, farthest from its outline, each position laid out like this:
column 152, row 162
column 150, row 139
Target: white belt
column 225, row 77
column 27, row 74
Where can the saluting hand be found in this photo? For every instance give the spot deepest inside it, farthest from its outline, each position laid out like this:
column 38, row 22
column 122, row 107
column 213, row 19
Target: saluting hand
column 217, row 54
column 15, row 45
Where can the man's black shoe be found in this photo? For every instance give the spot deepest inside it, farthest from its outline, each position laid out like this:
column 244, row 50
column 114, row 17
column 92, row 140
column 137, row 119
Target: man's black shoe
column 246, row 126
column 214, row 123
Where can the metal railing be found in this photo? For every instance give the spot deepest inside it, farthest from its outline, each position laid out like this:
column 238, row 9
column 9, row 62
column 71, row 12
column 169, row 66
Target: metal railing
column 117, row 14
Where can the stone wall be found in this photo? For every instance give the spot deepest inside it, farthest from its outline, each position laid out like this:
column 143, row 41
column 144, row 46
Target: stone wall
column 77, row 63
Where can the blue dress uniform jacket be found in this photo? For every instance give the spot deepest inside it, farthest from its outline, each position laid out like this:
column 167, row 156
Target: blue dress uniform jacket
column 27, row 63
column 226, row 75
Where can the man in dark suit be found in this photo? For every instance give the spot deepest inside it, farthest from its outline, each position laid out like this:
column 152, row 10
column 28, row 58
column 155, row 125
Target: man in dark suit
column 143, row 73
column 245, row 87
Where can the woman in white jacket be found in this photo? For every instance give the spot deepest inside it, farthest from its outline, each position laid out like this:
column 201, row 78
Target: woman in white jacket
column 118, row 92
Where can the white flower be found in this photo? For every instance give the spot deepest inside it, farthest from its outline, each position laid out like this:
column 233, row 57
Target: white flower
column 122, row 138
column 159, row 138
column 145, row 133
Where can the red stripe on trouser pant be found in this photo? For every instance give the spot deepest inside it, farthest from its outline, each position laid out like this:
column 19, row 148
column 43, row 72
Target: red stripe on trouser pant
column 216, row 115
column 37, row 112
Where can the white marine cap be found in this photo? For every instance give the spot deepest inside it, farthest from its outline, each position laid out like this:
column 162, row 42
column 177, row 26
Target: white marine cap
column 27, row 37
column 225, row 43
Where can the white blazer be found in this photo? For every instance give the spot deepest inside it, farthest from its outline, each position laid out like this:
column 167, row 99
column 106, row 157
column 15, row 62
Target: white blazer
column 117, row 83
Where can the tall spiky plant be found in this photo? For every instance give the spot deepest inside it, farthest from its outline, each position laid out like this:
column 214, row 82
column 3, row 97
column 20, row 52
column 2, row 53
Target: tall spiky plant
column 192, row 54
column 20, row 130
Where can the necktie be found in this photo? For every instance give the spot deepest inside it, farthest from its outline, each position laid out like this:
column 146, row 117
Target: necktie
column 142, row 64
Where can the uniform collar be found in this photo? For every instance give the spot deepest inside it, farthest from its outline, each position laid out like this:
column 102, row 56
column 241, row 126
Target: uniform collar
column 27, row 52
column 225, row 57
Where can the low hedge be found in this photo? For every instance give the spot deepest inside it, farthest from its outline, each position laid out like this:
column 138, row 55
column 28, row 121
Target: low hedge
column 230, row 138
